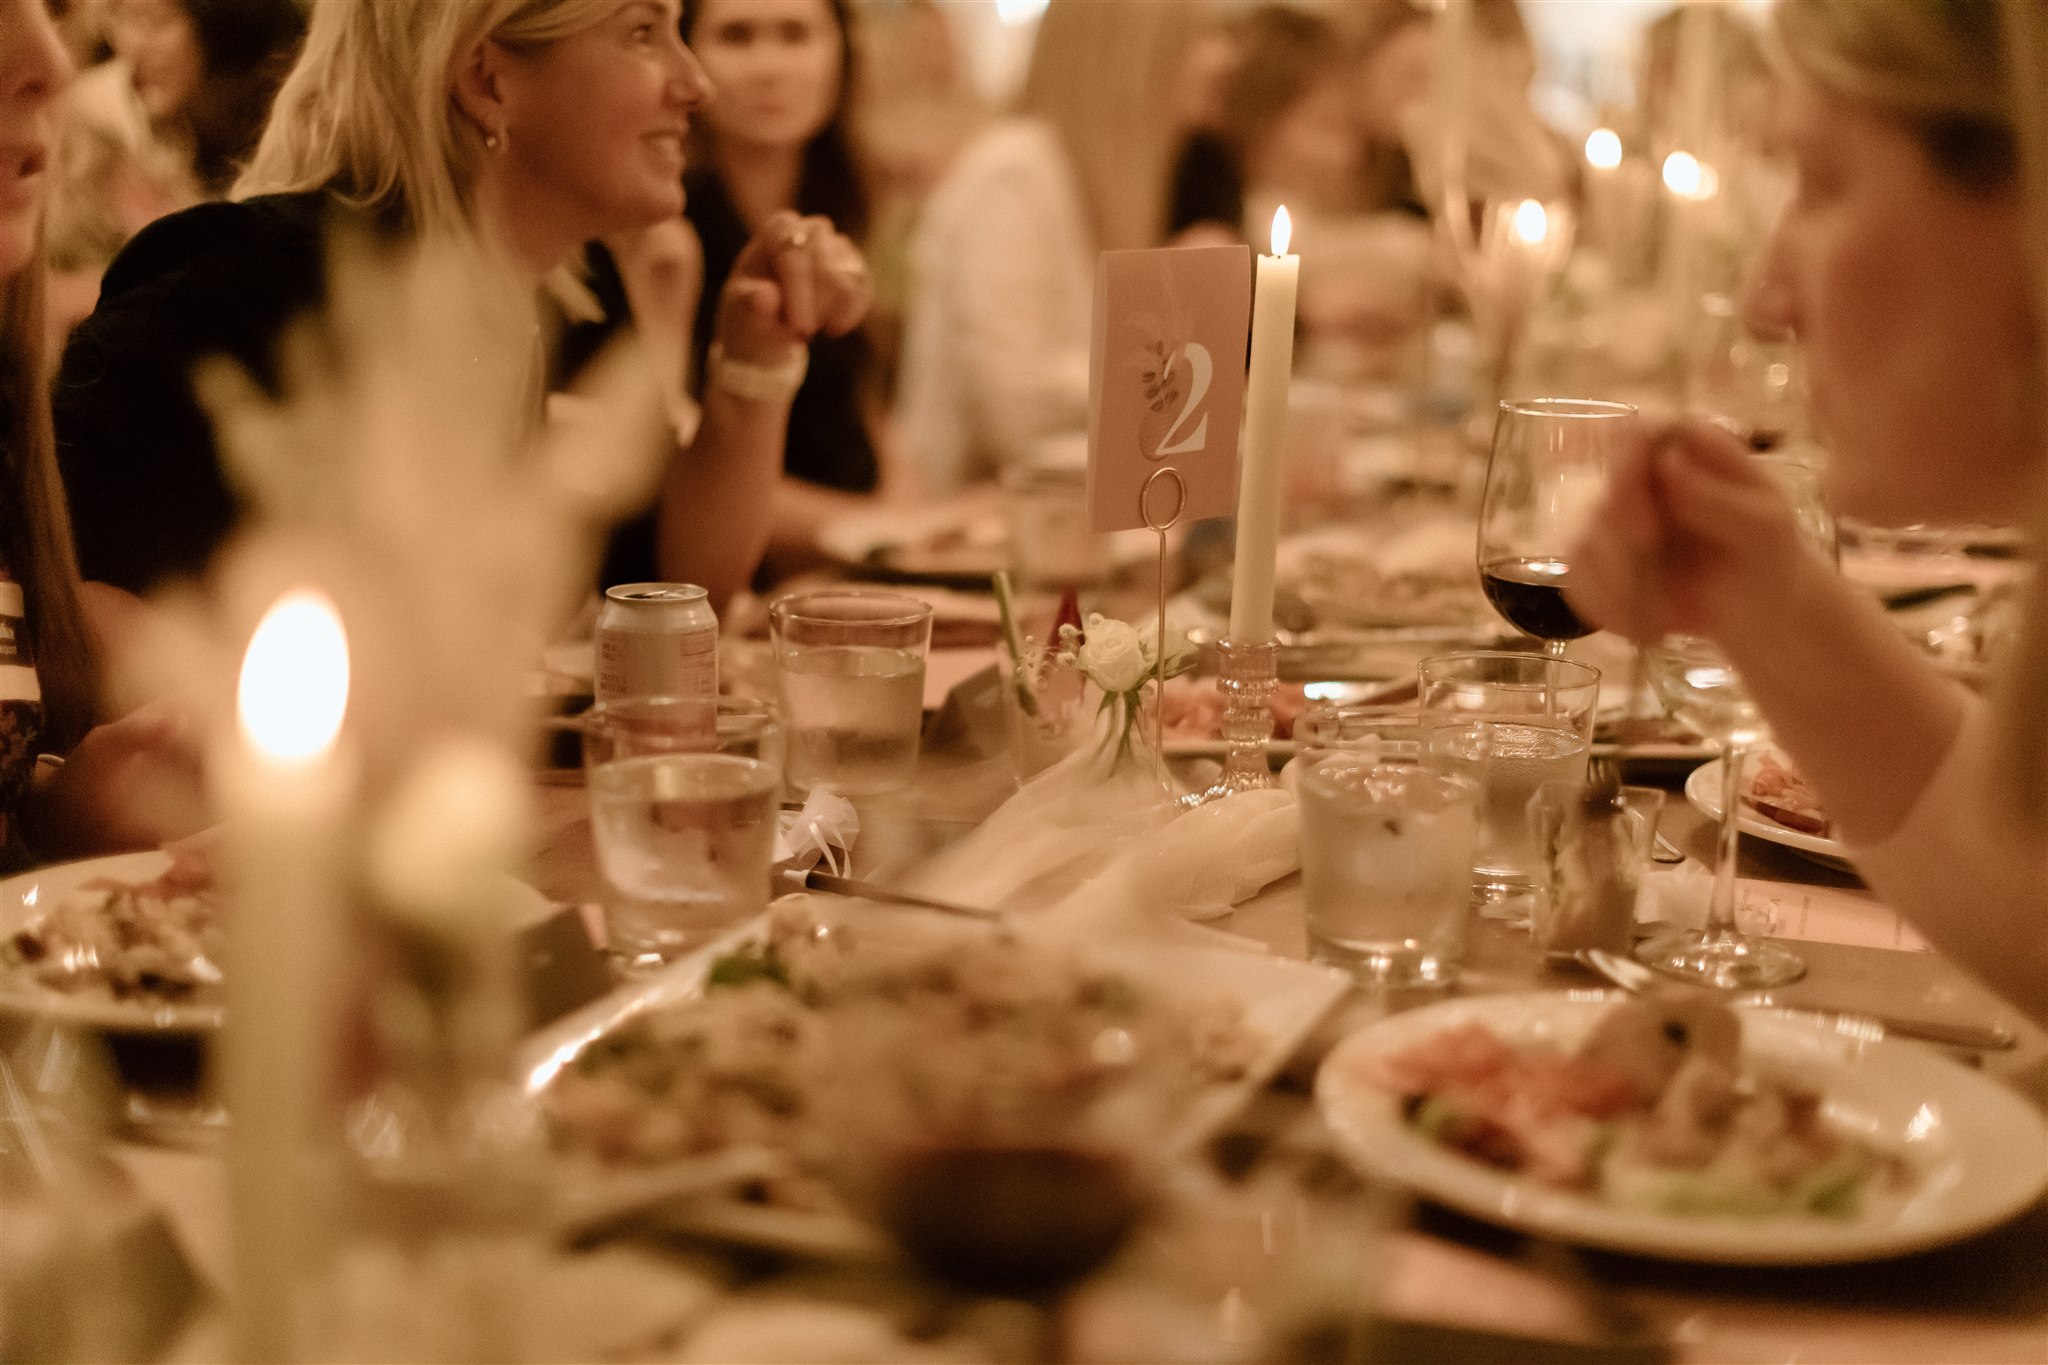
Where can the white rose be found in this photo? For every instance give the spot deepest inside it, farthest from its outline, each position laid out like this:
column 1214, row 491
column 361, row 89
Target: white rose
column 1113, row 656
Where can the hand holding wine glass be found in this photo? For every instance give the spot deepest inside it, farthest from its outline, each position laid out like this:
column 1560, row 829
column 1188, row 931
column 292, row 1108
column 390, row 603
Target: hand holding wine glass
column 1731, row 518
column 1691, row 533
column 1544, row 477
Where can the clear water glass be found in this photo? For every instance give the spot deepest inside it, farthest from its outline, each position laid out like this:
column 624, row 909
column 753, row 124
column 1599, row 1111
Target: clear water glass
column 1386, row 868
column 684, row 795
column 1508, row 723
column 852, row 670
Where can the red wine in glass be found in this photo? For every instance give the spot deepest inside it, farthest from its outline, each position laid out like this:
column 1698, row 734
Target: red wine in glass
column 1545, row 475
column 1530, row 594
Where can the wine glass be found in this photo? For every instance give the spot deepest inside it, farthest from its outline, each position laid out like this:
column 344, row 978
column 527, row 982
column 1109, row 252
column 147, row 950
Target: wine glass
column 1745, row 382
column 1700, row 687
column 1547, row 469
column 1703, row 690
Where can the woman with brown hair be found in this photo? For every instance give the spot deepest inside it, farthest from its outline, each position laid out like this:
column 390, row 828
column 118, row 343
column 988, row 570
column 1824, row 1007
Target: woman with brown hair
column 780, row 137
column 996, row 352
column 1912, row 266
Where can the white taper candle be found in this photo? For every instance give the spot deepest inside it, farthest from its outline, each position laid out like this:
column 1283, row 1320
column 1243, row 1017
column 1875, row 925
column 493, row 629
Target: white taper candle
column 1261, row 471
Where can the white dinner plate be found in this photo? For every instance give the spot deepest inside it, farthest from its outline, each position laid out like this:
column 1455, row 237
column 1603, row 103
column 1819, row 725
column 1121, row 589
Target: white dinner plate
column 24, row 897
column 1703, row 789
column 1978, row 1153
column 1281, row 1000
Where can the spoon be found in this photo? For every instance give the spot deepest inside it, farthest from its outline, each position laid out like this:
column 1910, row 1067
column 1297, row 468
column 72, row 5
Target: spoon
column 1634, row 977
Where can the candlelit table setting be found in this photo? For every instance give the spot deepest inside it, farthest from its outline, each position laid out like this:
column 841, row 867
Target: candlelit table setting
column 1020, row 939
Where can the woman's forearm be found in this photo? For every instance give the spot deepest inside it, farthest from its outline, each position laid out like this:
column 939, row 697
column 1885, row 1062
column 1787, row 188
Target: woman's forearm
column 718, row 498
column 1865, row 715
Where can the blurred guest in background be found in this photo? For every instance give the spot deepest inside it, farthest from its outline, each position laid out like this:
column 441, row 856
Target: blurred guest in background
column 1287, row 116
column 996, row 352
column 520, row 132
column 1389, row 42
column 1510, row 152
column 163, row 125
column 779, row 137
column 1205, row 202
column 918, row 109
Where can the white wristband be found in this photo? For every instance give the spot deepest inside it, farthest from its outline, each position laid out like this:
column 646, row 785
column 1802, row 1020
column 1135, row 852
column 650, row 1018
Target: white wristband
column 757, row 383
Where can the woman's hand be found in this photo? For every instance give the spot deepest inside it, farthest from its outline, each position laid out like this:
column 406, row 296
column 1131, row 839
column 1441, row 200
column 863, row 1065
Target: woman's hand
column 131, row 783
column 798, row 277
column 1692, row 537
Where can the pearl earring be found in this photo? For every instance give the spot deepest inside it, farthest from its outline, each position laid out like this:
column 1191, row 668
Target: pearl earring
column 493, row 140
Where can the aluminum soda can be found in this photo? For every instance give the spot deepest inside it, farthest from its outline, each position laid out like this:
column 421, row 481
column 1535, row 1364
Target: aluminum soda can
column 657, row 640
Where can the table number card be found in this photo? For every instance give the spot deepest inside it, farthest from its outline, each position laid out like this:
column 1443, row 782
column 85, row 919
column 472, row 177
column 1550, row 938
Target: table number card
column 1166, row 383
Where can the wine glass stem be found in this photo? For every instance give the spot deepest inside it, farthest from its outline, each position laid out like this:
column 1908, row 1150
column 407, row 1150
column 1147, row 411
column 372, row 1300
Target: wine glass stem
column 1721, row 909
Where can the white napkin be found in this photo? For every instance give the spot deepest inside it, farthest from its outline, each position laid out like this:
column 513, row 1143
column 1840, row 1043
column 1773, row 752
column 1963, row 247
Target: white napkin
column 1676, row 896
column 1061, row 829
column 1196, row 866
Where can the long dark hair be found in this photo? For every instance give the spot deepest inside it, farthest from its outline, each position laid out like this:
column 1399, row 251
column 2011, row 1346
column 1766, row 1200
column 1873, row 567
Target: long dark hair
column 834, row 180
column 35, row 525
column 248, row 46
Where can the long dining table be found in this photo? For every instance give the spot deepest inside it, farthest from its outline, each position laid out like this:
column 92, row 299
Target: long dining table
column 1457, row 1288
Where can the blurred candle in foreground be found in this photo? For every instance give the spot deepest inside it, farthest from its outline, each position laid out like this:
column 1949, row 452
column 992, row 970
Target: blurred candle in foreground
column 1265, row 433
column 286, row 795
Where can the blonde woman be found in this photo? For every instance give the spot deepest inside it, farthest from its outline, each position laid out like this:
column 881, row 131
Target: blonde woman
column 996, row 349
column 1903, row 267
column 526, row 129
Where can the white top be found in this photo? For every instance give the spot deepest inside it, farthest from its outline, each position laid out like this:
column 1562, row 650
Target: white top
column 1978, row 890
column 995, row 354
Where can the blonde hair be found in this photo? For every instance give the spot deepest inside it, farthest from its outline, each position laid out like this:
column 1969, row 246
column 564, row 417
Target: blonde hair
column 1918, row 59
column 1971, row 78
column 1102, row 75
column 368, row 113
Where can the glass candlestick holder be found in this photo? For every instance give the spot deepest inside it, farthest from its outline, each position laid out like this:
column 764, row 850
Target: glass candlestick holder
column 1247, row 672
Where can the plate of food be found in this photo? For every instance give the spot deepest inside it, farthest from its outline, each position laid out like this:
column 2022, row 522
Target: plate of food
column 133, row 943
column 1777, row 806
column 752, row 1048
column 1679, row 1128
column 130, row 943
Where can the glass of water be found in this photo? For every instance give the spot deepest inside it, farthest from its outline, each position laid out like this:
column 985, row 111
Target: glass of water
column 852, row 666
column 1509, row 723
column 684, row 793
column 1386, row 868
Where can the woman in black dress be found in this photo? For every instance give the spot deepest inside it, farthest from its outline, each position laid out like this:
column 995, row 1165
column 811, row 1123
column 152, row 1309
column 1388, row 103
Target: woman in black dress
column 780, row 138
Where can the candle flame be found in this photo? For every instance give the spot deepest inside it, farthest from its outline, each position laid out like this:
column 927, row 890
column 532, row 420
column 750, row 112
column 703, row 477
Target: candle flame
column 1283, row 230
column 1603, row 148
column 1684, row 176
column 1532, row 223
column 294, row 685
